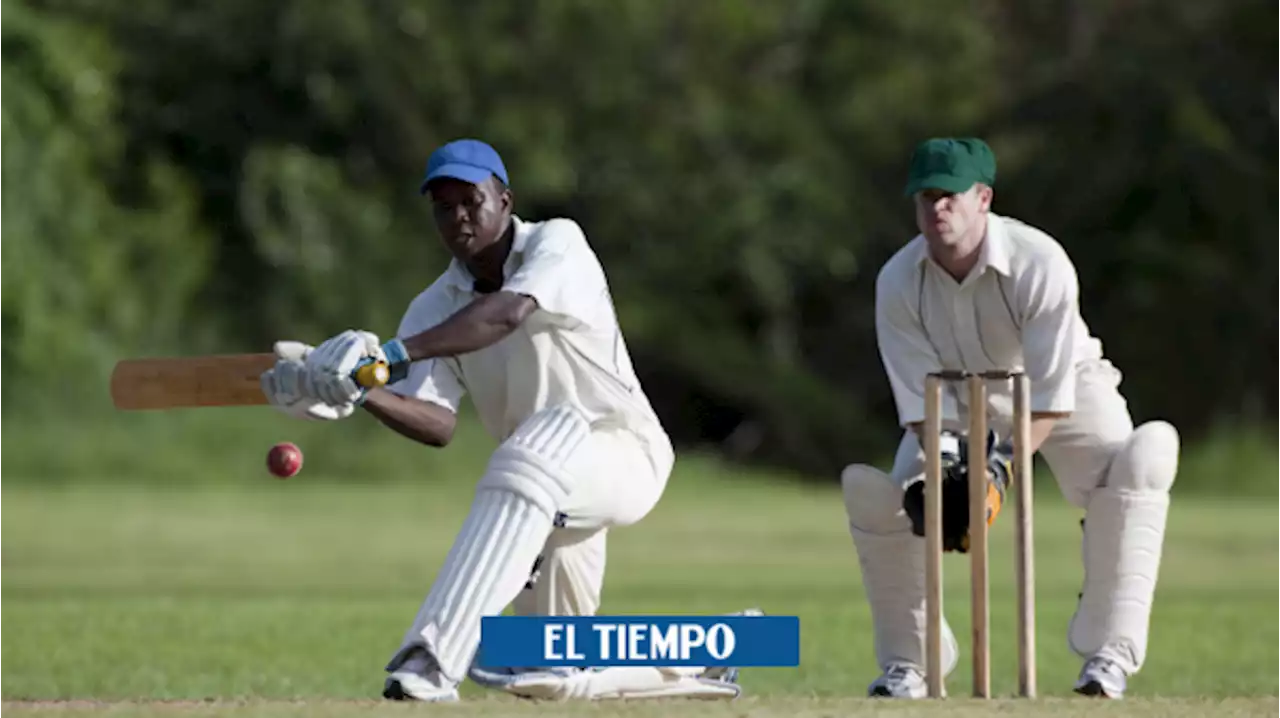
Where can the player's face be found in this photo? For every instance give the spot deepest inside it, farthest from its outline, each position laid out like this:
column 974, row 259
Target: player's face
column 947, row 219
column 469, row 217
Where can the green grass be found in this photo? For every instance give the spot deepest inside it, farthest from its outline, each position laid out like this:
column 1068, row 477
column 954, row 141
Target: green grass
column 790, row 707
column 199, row 585
column 299, row 590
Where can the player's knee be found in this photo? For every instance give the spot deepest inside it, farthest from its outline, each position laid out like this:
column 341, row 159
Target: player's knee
column 1148, row 461
column 532, row 461
column 568, row 576
column 871, row 499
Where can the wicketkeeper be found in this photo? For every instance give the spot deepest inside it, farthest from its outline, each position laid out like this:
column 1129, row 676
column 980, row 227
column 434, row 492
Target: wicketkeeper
column 523, row 322
column 976, row 291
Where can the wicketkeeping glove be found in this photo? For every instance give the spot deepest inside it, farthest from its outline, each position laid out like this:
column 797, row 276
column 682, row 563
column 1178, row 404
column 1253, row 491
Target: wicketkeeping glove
column 955, row 489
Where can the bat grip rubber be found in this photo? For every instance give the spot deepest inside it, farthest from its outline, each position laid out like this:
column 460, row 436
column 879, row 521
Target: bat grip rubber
column 372, row 374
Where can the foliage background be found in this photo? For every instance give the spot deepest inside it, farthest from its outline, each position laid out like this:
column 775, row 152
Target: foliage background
column 209, row 177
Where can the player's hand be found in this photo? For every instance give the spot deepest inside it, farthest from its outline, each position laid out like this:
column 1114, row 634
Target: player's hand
column 955, row 489
column 999, row 473
column 955, row 497
column 287, row 388
column 330, row 365
column 999, row 470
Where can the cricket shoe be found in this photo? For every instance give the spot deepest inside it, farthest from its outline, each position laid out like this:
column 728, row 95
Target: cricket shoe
column 900, row 681
column 406, row 686
column 729, row 674
column 1102, row 678
column 416, row 678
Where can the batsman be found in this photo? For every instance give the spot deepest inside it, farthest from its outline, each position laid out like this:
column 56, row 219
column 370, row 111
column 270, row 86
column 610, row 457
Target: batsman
column 522, row 321
column 975, row 291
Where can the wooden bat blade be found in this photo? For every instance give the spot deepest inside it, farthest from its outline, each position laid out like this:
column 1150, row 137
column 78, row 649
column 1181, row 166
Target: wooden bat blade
column 179, row 382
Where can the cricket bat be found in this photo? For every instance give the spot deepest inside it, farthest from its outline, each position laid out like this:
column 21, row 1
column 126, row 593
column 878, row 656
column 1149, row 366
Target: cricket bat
column 200, row 381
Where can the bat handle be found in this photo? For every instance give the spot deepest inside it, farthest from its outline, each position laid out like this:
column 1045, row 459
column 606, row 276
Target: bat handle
column 372, row 374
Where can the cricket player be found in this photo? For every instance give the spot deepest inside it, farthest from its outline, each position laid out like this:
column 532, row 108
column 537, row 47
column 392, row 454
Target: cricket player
column 975, row 291
column 522, row 321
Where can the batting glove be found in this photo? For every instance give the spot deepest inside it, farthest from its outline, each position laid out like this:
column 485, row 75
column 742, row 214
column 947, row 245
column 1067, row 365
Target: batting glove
column 287, row 388
column 331, row 365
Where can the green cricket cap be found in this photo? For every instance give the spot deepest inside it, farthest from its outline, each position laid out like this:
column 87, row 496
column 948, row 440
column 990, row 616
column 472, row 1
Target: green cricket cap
column 951, row 164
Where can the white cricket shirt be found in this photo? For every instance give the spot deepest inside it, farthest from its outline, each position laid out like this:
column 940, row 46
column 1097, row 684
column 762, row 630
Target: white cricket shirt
column 1018, row 309
column 570, row 349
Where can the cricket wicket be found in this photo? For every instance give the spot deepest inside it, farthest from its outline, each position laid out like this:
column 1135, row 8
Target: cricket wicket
column 1024, row 542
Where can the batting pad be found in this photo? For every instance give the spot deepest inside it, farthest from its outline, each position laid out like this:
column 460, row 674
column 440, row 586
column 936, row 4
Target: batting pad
column 892, row 563
column 1123, row 540
column 893, row 577
column 510, row 519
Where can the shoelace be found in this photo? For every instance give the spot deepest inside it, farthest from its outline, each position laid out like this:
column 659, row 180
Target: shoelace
column 901, row 672
column 1105, row 667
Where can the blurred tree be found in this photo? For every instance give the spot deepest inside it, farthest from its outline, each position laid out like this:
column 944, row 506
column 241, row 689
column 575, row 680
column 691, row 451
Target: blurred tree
column 86, row 272
column 1159, row 177
column 738, row 166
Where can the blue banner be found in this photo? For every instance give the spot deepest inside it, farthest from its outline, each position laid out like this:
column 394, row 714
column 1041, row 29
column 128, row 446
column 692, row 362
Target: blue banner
column 587, row 641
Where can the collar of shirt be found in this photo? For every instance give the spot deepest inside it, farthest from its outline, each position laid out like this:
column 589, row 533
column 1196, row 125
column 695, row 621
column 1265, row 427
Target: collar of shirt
column 459, row 277
column 995, row 249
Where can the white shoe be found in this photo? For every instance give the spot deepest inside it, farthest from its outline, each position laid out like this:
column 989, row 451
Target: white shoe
column 900, row 681
column 417, row 678
column 1101, row 677
column 406, row 686
column 725, row 673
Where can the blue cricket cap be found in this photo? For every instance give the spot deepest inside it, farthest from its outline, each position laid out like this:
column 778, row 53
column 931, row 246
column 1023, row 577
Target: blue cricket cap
column 467, row 160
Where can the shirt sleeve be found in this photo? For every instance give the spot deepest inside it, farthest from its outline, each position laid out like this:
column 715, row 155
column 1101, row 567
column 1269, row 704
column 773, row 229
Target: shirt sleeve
column 905, row 349
column 434, row 380
column 562, row 275
column 1048, row 333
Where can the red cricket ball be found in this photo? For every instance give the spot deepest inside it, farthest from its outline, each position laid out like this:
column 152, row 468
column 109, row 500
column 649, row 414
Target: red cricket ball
column 284, row 460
